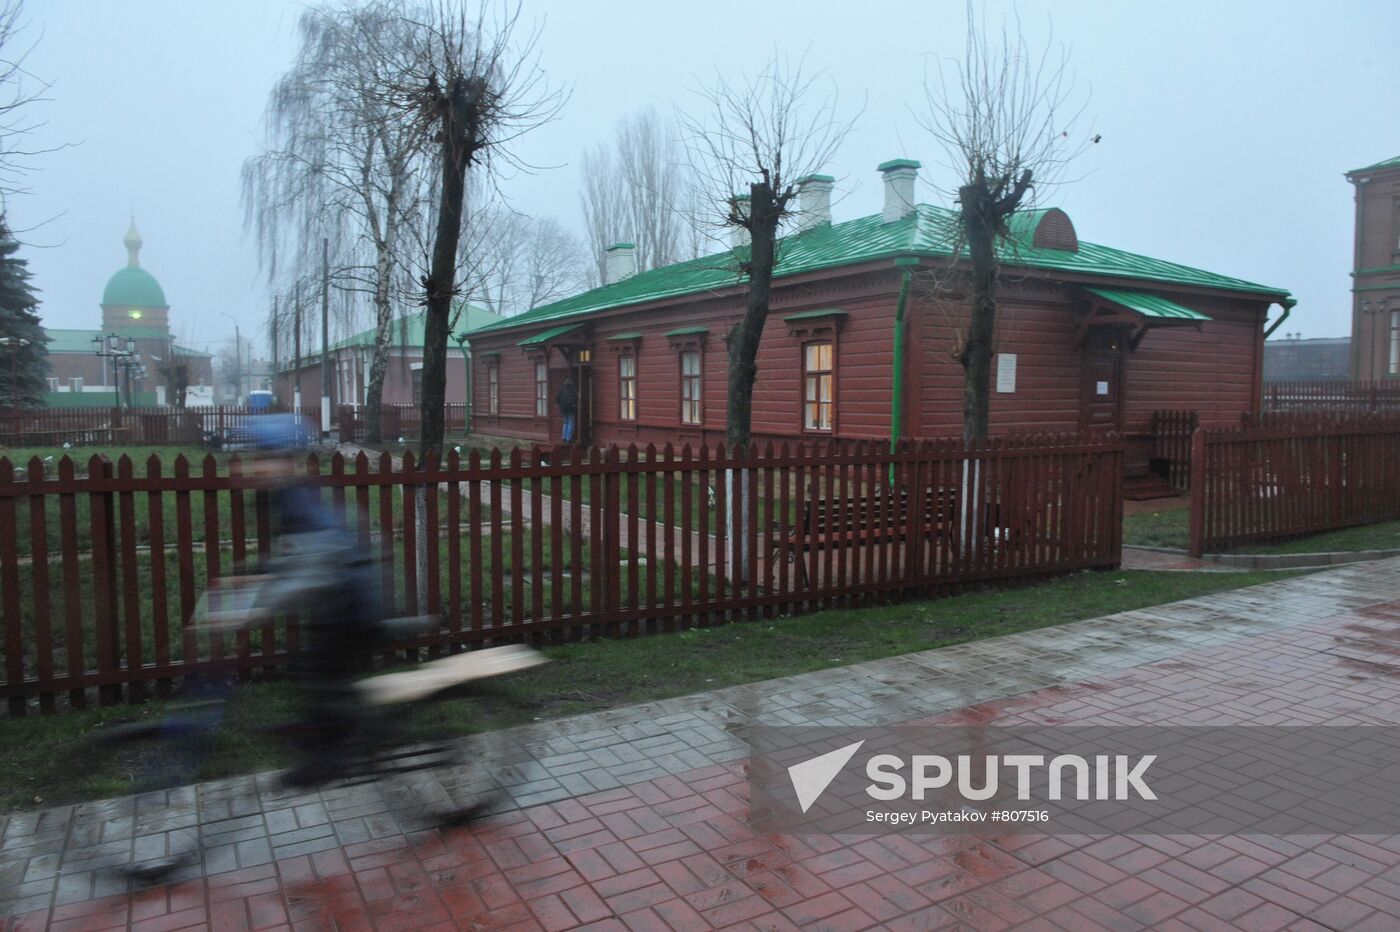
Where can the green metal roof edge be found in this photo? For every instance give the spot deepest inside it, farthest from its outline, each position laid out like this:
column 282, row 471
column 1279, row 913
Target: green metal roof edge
column 898, row 163
column 619, row 337
column 806, row 178
column 1386, row 163
column 812, row 315
column 1143, row 304
column 686, row 331
column 621, row 246
column 1378, row 270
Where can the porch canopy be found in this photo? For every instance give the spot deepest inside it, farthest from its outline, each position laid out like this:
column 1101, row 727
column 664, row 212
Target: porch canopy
column 1136, row 309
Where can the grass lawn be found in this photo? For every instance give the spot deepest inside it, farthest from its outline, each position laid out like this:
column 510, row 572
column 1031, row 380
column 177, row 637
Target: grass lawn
column 37, row 753
column 1171, row 529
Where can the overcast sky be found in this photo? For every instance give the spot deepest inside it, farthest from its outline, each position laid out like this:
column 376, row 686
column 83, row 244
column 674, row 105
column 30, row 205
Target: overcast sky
column 1226, row 127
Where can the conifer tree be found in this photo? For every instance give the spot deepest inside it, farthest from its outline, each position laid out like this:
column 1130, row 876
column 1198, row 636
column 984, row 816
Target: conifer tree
column 24, row 363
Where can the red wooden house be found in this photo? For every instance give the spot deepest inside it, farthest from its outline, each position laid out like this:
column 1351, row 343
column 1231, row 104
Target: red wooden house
column 869, row 310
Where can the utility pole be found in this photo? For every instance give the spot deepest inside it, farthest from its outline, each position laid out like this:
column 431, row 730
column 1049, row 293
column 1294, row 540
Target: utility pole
column 237, row 358
column 325, row 338
column 296, row 350
column 273, row 335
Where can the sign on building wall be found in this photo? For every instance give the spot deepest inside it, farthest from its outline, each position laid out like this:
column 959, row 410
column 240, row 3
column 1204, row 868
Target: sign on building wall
column 1006, row 373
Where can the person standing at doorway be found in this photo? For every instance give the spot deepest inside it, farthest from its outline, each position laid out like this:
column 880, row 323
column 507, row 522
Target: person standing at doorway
column 567, row 400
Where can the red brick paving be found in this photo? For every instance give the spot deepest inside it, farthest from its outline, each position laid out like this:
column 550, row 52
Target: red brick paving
column 675, row 853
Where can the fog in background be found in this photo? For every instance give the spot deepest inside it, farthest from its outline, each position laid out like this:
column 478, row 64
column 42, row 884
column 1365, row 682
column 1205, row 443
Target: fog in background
column 1226, row 127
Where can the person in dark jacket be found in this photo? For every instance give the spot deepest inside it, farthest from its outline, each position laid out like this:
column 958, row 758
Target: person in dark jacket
column 567, row 400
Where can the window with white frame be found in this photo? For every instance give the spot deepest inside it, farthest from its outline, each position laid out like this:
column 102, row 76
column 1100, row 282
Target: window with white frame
column 493, row 389
column 416, row 374
column 627, row 387
column 818, row 386
column 1394, row 343
column 541, row 390
column 53, row 384
column 691, row 388
column 76, row 384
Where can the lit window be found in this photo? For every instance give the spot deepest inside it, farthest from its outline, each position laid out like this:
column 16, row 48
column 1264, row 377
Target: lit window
column 1395, row 343
column 819, row 407
column 690, row 387
column 627, row 387
column 493, row 389
column 541, row 390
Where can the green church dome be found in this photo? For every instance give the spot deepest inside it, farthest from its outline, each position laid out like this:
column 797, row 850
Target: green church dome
column 133, row 286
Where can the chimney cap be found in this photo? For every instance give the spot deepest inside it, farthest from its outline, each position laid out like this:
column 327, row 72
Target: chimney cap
column 621, row 246
column 892, row 164
column 809, row 178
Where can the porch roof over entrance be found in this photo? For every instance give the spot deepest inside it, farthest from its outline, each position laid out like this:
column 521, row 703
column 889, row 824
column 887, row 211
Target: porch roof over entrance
column 544, row 336
column 1147, row 305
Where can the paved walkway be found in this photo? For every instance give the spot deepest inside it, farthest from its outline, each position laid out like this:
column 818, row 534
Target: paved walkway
column 635, row 818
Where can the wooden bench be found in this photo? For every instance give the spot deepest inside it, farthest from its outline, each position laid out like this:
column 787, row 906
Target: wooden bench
column 879, row 516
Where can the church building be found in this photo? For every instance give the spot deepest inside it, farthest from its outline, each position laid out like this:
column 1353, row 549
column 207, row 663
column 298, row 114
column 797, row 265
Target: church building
column 135, row 319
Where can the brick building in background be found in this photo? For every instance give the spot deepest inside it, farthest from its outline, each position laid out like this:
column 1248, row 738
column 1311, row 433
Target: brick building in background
column 1375, row 316
column 133, row 307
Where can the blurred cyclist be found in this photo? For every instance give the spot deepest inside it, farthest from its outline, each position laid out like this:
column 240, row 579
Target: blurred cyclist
column 320, row 573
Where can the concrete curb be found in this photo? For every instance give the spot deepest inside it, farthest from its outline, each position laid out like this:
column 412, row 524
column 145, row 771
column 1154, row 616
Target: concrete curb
column 1280, row 561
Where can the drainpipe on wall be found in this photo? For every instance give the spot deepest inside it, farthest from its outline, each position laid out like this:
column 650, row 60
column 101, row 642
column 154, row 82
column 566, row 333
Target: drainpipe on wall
column 897, row 378
column 466, row 382
column 1287, row 304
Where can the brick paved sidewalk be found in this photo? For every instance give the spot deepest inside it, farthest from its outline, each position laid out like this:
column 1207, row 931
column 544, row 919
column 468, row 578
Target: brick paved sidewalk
column 635, row 818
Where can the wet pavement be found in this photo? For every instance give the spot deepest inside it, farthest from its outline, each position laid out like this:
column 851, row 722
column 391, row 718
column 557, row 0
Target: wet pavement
column 635, row 818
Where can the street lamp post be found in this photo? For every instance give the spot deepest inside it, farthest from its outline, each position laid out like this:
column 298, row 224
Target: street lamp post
column 109, row 346
column 14, row 343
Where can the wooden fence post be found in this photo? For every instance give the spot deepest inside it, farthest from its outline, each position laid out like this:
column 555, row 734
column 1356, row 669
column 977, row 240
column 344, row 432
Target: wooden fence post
column 1198, row 492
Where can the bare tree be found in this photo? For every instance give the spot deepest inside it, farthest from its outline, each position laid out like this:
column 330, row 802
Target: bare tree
column 475, row 90
column 756, row 137
column 603, row 215
column 341, row 162
column 636, row 191
column 20, row 91
column 1005, row 119
column 525, row 262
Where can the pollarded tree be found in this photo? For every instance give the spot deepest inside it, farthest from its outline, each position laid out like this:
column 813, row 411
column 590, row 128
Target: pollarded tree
column 474, row 86
column 757, row 137
column 1006, row 122
column 24, row 364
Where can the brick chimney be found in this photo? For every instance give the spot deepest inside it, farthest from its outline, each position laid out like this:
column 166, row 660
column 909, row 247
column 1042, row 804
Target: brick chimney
column 814, row 201
column 900, row 175
column 621, row 262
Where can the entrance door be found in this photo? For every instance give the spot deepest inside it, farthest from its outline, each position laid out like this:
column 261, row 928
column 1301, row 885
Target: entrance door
column 583, row 380
column 1101, row 395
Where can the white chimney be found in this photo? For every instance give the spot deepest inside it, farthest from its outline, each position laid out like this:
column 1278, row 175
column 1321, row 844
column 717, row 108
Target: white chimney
column 900, row 175
column 814, row 201
column 621, row 262
column 739, row 236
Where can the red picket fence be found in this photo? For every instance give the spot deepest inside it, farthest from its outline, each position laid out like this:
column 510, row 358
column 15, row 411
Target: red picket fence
column 1332, row 396
column 1171, row 442
column 101, row 573
column 1269, row 483
column 123, row 427
column 395, row 421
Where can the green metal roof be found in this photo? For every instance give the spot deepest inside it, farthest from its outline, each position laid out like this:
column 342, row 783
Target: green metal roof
column 409, row 329
column 1149, row 305
column 686, row 331
column 544, row 336
column 630, row 335
column 898, row 163
column 1388, row 163
column 133, row 287
column 929, row 232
